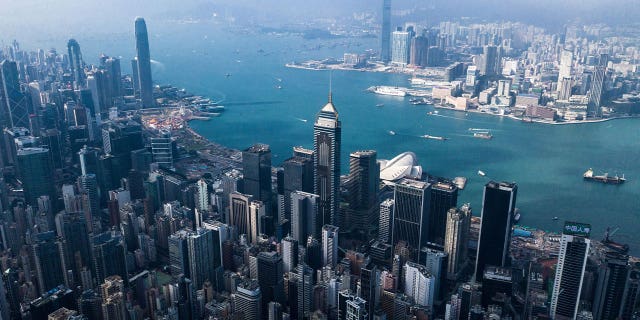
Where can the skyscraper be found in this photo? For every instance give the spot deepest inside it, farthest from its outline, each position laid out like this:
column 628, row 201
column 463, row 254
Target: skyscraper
column 304, row 286
column 201, row 257
column 248, row 300
column 595, row 93
column 410, row 215
column 239, row 212
column 203, row 195
column 385, row 36
column 76, row 63
column 400, row 47
column 419, row 284
column 455, row 243
column 304, row 216
column 162, row 149
column 298, row 176
column 490, row 60
column 35, row 173
column 330, row 245
column 386, row 220
column 108, row 252
column 47, row 257
column 289, row 253
column 256, row 168
column 362, row 186
column 144, row 64
column 498, row 204
column 567, row 286
column 444, row 196
column 327, row 132
column 612, row 278
column 270, row 277
column 113, row 299
column 369, row 287
column 16, row 109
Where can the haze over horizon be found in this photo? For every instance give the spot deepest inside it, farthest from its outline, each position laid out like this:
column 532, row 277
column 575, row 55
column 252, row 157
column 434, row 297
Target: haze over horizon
column 33, row 20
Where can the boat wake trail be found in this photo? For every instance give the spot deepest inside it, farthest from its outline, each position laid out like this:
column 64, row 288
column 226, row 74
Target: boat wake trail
column 300, row 119
column 252, row 103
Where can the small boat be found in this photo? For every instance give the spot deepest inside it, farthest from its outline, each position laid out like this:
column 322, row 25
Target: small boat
column 426, row 136
column 481, row 173
column 278, row 87
column 380, row 105
column 516, row 215
column 435, row 111
column 555, row 218
column 483, row 135
column 391, row 132
column 227, row 75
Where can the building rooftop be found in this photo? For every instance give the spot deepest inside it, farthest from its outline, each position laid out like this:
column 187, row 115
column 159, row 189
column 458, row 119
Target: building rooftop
column 258, row 148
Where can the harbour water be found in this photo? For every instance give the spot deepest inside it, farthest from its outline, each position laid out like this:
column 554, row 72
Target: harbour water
column 266, row 102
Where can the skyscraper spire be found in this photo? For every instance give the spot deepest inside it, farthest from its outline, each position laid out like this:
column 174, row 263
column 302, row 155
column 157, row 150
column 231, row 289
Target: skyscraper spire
column 330, row 87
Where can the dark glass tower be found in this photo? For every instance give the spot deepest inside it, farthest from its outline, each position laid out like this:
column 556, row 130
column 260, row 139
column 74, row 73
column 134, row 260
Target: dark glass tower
column 410, row 215
column 298, row 176
column 270, row 277
column 612, row 278
column 15, row 112
column 75, row 62
column 498, row 203
column 385, row 43
column 144, row 64
column 444, row 196
column 362, row 186
column 49, row 266
column 36, row 174
column 327, row 132
column 256, row 167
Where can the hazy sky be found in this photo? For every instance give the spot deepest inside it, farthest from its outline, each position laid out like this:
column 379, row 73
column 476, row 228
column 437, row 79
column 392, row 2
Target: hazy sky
column 42, row 19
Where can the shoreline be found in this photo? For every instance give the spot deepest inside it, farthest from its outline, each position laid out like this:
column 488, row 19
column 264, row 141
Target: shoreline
column 524, row 120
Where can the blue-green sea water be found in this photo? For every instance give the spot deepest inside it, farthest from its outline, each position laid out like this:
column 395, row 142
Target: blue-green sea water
column 546, row 161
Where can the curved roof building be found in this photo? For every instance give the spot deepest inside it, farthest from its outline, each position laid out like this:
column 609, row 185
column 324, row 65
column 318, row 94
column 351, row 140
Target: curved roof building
column 403, row 165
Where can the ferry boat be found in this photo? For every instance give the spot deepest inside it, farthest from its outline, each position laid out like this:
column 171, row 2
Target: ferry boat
column 389, row 91
column 426, row 136
column 482, row 135
column 605, row 178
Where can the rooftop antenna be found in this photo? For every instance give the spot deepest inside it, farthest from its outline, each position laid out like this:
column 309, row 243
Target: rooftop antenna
column 330, row 85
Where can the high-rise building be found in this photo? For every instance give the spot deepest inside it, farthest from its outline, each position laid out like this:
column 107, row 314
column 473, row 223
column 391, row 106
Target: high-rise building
column 497, row 284
column 498, row 204
column 400, row 46
column 73, row 228
column 490, row 60
column 162, row 149
column 631, row 296
column 201, row 257
column 113, row 299
column 203, row 195
column 369, row 287
column 564, row 71
column 289, row 253
column 419, row 51
column 304, row 286
column 179, row 254
column 270, row 277
column 143, row 64
column 567, row 286
column 386, row 220
column 15, row 112
column 436, row 263
column 456, row 238
column 385, row 36
column 76, row 63
column 410, row 215
column 257, row 213
column 108, row 253
column 613, row 274
column 256, row 168
column 595, row 93
column 419, row 284
column 298, row 176
column 35, row 173
column 239, row 212
column 330, row 245
column 444, row 196
column 304, row 216
column 362, row 187
column 356, row 309
column 47, row 256
column 327, row 133
column 248, row 300
column 564, row 88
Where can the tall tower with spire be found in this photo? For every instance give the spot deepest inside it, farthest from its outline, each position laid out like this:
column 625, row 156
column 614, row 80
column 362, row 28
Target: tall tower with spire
column 327, row 132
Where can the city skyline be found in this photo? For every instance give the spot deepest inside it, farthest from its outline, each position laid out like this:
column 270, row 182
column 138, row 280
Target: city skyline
column 117, row 203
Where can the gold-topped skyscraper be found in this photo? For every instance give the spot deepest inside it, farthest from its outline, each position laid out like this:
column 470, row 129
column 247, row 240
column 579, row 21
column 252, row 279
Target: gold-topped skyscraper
column 327, row 132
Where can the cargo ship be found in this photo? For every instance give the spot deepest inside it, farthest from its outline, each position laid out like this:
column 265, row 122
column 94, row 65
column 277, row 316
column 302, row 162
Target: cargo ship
column 605, row 178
